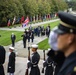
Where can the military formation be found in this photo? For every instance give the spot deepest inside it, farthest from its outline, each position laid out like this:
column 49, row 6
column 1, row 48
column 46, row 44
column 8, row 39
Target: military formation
column 61, row 57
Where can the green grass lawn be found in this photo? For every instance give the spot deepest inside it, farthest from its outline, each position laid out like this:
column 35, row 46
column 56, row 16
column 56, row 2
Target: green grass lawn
column 5, row 38
column 44, row 44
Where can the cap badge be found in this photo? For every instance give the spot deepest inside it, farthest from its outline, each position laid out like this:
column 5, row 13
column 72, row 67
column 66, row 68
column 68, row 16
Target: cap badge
column 75, row 69
column 71, row 30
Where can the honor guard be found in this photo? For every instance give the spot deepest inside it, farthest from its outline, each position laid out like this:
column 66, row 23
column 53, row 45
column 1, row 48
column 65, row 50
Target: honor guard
column 11, row 62
column 66, row 41
column 48, row 65
column 34, row 60
column 2, row 59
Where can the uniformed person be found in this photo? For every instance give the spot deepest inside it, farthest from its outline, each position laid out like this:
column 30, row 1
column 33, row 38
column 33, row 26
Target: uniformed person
column 11, row 62
column 67, row 42
column 57, row 56
column 24, row 39
column 48, row 65
column 2, row 59
column 32, row 36
column 13, row 38
column 34, row 60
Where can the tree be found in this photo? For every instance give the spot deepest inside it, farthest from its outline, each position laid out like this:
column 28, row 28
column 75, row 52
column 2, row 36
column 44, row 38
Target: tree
column 9, row 9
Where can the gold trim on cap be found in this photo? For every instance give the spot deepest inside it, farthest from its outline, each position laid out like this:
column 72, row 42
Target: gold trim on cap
column 67, row 25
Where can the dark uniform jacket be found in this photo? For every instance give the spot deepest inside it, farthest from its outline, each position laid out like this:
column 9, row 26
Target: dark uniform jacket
column 13, row 37
column 11, row 63
column 33, row 64
column 69, row 66
column 2, row 59
column 48, row 65
column 58, row 57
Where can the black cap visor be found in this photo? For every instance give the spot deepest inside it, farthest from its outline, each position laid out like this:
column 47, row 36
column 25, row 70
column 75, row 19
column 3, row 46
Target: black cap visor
column 58, row 31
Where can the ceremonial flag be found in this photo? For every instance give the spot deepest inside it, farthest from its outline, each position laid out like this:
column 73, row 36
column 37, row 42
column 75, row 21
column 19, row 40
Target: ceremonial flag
column 9, row 22
column 25, row 22
column 22, row 19
column 14, row 20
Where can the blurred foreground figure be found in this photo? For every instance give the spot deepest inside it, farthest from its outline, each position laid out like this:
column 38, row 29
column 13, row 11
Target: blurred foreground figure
column 56, row 55
column 2, row 60
column 67, row 42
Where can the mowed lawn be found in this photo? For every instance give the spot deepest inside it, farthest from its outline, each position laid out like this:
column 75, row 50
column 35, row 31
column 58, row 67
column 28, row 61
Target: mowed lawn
column 5, row 38
column 43, row 45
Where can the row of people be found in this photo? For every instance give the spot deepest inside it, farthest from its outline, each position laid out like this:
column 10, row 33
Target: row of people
column 29, row 35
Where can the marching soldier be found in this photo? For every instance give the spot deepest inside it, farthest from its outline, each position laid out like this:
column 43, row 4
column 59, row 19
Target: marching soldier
column 32, row 36
column 13, row 38
column 11, row 62
column 24, row 39
column 67, row 42
column 2, row 59
column 34, row 60
column 28, row 35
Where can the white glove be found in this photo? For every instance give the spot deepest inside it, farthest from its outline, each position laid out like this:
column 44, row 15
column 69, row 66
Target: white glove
column 9, row 67
column 28, row 61
column 43, row 61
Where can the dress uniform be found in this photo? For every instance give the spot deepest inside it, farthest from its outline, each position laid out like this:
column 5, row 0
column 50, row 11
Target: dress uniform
column 24, row 39
column 28, row 35
column 13, row 38
column 11, row 62
column 32, row 36
column 34, row 60
column 48, row 65
column 2, row 59
column 67, row 42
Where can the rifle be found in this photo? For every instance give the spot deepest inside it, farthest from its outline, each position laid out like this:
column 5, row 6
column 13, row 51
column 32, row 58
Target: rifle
column 44, row 60
column 26, row 73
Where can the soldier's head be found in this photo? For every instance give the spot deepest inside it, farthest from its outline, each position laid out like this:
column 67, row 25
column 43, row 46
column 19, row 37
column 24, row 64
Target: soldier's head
column 11, row 49
column 66, row 31
column 34, row 48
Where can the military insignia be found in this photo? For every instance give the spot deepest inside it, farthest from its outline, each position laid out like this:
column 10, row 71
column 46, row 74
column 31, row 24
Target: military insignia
column 71, row 30
column 75, row 69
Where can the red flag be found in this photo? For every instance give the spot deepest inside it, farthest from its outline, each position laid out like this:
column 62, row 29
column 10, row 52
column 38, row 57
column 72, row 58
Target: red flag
column 9, row 22
column 25, row 22
column 22, row 19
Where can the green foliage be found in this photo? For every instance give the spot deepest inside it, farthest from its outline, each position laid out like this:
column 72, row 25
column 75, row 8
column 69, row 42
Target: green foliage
column 44, row 7
column 71, row 4
column 11, row 8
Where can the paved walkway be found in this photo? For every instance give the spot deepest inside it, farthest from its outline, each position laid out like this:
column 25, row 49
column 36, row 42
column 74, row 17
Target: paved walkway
column 21, row 58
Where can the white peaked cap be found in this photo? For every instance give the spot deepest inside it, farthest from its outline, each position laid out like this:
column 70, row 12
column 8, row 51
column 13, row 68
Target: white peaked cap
column 34, row 46
column 12, row 48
